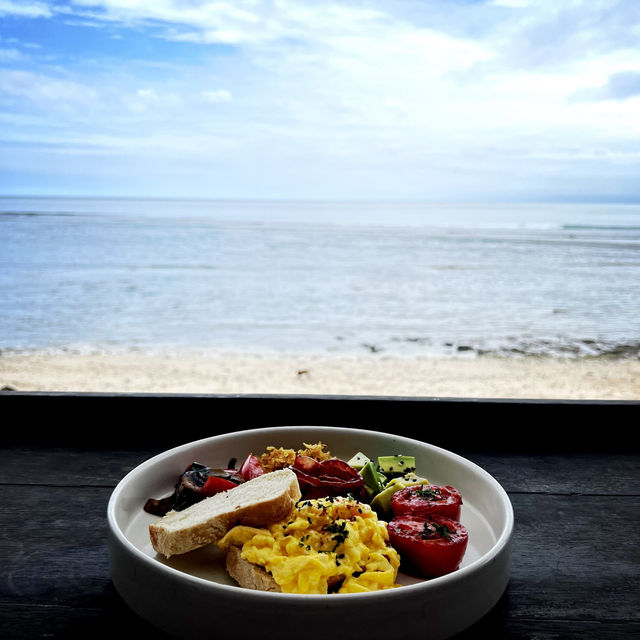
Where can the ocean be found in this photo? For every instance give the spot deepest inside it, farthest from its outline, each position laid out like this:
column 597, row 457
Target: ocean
column 87, row 275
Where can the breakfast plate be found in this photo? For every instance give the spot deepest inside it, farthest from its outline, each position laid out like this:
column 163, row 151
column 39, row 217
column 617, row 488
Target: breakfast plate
column 191, row 595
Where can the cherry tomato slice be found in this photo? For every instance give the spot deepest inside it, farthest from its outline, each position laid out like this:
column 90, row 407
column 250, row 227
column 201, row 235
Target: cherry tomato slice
column 251, row 468
column 215, row 485
column 332, row 477
column 429, row 546
column 427, row 500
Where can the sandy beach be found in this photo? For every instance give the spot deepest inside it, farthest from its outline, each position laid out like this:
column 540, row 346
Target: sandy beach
column 224, row 373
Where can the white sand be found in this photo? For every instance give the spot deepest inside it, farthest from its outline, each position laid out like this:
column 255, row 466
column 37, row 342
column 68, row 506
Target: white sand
column 481, row 377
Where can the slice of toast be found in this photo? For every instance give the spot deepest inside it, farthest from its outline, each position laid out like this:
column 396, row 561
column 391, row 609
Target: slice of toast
column 247, row 574
column 253, row 576
column 256, row 503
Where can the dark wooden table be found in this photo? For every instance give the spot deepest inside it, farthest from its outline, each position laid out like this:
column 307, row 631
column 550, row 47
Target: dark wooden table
column 570, row 469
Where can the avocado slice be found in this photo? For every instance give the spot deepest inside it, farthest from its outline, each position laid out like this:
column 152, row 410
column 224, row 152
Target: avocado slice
column 374, row 481
column 396, row 465
column 358, row 461
column 381, row 503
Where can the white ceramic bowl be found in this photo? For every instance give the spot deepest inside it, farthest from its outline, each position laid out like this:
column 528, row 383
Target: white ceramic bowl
column 191, row 596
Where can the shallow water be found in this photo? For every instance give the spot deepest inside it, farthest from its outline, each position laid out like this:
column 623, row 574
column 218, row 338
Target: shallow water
column 106, row 274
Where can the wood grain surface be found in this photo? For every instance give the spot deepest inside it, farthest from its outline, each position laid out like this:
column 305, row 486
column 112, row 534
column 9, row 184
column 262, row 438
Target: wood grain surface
column 575, row 564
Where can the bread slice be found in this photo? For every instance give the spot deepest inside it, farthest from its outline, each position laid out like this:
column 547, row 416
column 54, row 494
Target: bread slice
column 253, row 576
column 256, row 503
column 247, row 574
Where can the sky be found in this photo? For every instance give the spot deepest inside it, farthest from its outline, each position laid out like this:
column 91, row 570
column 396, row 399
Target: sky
column 435, row 100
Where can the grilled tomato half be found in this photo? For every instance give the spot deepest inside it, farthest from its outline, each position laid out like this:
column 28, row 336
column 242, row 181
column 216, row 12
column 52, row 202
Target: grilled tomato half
column 427, row 500
column 429, row 546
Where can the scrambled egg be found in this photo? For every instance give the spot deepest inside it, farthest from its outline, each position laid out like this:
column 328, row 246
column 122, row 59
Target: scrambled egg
column 327, row 545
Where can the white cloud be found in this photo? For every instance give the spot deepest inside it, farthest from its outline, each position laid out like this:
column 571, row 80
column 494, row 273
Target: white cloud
column 25, row 9
column 218, row 95
column 218, row 21
column 622, row 85
column 44, row 91
column 10, row 55
column 332, row 91
column 512, row 4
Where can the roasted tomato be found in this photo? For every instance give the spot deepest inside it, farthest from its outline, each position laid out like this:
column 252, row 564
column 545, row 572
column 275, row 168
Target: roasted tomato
column 332, row 477
column 251, row 468
column 429, row 546
column 427, row 500
column 215, row 484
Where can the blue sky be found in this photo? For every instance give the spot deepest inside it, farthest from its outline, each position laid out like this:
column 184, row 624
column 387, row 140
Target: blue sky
column 531, row 100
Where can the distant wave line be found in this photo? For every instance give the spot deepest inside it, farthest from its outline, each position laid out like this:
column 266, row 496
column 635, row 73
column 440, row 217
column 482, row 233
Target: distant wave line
column 127, row 267
column 601, row 227
column 31, row 214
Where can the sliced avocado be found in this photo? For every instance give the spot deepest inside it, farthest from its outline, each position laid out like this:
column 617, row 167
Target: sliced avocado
column 408, row 480
column 358, row 461
column 412, row 478
column 374, row 481
column 381, row 503
column 397, row 465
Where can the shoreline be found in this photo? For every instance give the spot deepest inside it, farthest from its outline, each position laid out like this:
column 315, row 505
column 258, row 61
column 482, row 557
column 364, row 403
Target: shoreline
column 531, row 377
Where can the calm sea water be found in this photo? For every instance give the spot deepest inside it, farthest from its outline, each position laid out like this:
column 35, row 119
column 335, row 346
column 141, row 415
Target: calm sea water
column 103, row 274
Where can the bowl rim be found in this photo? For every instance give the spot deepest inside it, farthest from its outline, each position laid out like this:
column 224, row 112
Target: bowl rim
column 425, row 586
